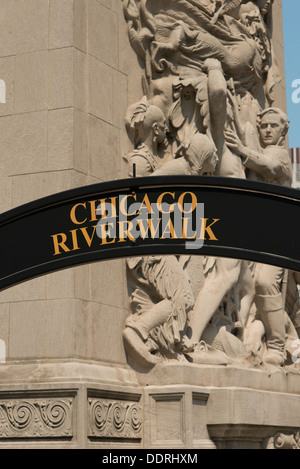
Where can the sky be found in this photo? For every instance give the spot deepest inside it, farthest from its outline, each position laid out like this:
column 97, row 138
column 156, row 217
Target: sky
column 291, row 31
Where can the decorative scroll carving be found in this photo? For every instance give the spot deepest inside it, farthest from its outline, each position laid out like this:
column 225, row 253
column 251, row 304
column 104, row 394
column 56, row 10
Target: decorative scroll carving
column 284, row 441
column 208, row 74
column 36, row 418
column 114, row 419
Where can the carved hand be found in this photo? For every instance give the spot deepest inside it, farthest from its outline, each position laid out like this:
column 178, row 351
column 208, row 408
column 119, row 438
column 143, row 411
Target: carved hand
column 234, row 143
column 211, row 64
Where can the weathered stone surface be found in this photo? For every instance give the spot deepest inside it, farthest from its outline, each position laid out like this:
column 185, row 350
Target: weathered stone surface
column 71, row 74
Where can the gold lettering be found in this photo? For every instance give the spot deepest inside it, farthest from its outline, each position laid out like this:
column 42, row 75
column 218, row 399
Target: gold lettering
column 106, row 234
column 93, row 209
column 125, row 232
column 107, row 209
column 169, row 229
column 181, row 203
column 73, row 217
column 184, row 229
column 159, row 202
column 88, row 238
column 124, row 199
column 147, row 203
column 74, row 239
column 150, row 226
column 207, row 229
column 58, row 244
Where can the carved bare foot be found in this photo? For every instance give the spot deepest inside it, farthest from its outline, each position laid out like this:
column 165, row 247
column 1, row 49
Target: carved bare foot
column 136, row 347
column 206, row 355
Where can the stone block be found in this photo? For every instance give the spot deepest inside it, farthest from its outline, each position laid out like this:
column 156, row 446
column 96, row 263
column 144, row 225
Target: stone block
column 103, row 147
column 31, row 82
column 61, row 24
column 60, row 139
column 102, row 33
column 120, row 100
column 107, row 278
column 100, row 90
column 67, row 146
column 29, row 187
column 60, row 284
column 67, row 78
column 80, row 88
column 61, row 78
column 23, row 143
column 7, row 77
column 32, row 290
column 24, row 26
column 4, row 326
column 67, row 329
column 106, row 330
column 82, row 282
column 168, row 428
column 67, row 24
column 80, row 151
column 27, row 330
column 5, row 194
column 79, row 25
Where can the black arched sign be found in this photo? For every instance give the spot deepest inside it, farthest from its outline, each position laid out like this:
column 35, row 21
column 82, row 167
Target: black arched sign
column 144, row 216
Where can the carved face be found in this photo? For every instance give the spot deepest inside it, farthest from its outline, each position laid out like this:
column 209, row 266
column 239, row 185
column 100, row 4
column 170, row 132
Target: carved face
column 271, row 129
column 250, row 17
column 160, row 130
column 267, row 5
column 210, row 5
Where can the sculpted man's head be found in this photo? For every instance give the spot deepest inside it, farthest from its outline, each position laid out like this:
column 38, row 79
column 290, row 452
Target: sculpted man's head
column 146, row 122
column 273, row 125
column 265, row 5
column 201, row 154
column 211, row 5
column 250, row 16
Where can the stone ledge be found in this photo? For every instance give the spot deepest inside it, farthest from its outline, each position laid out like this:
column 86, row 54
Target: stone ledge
column 285, row 380
column 67, row 372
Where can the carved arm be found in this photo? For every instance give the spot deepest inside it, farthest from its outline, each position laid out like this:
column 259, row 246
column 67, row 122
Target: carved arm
column 268, row 165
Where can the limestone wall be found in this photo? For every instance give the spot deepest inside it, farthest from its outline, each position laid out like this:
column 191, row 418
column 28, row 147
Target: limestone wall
column 70, row 74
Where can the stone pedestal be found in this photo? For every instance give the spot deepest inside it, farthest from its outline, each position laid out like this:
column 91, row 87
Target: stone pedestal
column 91, row 405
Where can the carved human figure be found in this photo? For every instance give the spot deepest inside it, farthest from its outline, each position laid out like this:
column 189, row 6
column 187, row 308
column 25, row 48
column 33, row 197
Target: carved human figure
column 227, row 273
column 146, row 124
column 200, row 49
column 147, row 128
column 190, row 49
column 161, row 294
column 270, row 164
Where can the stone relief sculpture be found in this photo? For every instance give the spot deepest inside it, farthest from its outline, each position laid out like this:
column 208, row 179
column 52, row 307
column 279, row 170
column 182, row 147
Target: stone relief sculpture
column 283, row 441
column 208, row 72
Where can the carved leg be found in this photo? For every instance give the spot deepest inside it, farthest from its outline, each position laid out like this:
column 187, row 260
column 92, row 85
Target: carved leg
column 138, row 330
column 212, row 294
column 270, row 309
column 273, row 318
